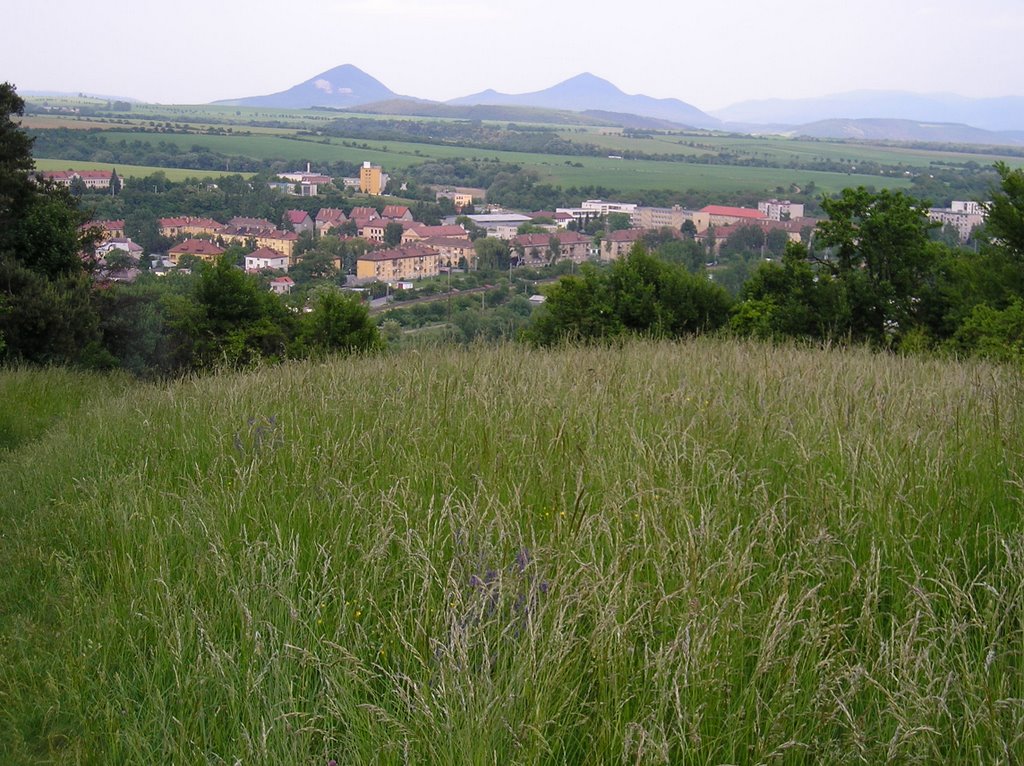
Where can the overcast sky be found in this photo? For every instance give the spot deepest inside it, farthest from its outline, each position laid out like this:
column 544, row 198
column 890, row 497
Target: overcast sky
column 710, row 54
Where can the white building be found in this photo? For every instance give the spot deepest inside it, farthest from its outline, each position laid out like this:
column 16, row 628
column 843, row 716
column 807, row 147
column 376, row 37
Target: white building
column 781, row 210
column 592, row 209
column 963, row 216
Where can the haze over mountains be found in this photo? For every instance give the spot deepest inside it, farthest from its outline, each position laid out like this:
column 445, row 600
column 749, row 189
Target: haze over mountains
column 877, row 115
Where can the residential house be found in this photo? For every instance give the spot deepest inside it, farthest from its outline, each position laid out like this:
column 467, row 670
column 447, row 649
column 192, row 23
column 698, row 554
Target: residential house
column 266, row 258
column 536, row 248
column 400, row 263
column 188, row 226
column 368, row 213
column 282, row 285
column 460, row 197
column 124, row 244
column 619, row 243
column 399, row 213
column 111, row 229
column 454, row 251
column 200, row 248
column 329, row 218
column 793, row 228
column 275, row 239
column 372, row 229
column 299, row 220
column 420, row 232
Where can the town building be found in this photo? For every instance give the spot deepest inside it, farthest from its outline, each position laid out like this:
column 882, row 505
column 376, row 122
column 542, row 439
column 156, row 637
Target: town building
column 618, row 243
column 398, row 213
column 372, row 179
column 188, row 226
column 725, row 215
column 110, row 229
column 93, row 179
column 536, row 249
column 592, row 209
column 964, row 216
column 411, row 262
column 455, row 252
column 299, row 221
column 266, row 258
column 418, row 232
column 302, row 184
column 282, row 285
column 500, row 225
column 329, row 218
column 200, row 248
column 671, row 217
column 781, row 210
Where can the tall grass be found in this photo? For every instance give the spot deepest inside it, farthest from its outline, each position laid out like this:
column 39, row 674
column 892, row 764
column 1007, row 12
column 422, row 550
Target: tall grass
column 704, row 552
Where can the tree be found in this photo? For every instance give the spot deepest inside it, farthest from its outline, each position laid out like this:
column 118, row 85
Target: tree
column 883, row 255
column 115, row 183
column 618, row 221
column 338, row 323
column 77, row 187
column 491, row 253
column 1004, row 225
column 45, row 309
column 791, row 300
column 393, row 234
column 638, row 294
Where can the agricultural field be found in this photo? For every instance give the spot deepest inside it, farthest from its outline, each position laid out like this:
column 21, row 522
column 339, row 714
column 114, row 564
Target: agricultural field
column 709, row 551
column 269, row 134
column 784, row 150
column 132, row 171
column 626, row 175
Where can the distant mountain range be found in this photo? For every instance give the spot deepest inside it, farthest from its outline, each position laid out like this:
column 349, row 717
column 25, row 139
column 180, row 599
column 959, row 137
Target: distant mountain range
column 586, row 91
column 589, row 100
column 994, row 114
column 343, row 87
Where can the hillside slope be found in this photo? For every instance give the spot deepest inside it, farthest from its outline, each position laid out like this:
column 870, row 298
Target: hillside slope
column 711, row 551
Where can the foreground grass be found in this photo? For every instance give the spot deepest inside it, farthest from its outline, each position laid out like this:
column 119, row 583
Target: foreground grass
column 708, row 552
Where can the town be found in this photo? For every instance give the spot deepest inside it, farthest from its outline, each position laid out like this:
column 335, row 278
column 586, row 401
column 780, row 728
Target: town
column 397, row 250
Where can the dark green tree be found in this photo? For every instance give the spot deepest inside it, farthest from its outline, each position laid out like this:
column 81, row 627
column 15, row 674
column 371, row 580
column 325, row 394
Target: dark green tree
column 393, row 234
column 338, row 323
column 45, row 310
column 881, row 251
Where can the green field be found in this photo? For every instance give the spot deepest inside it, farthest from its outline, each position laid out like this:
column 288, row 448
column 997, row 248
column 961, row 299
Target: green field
column 785, row 150
column 278, row 140
column 704, row 552
column 131, row 171
column 626, row 175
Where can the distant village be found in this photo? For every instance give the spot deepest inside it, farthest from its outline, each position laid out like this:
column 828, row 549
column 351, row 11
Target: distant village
column 428, row 251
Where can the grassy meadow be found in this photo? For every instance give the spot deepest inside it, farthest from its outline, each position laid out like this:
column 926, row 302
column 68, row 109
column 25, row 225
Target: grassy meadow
column 132, row 171
column 698, row 552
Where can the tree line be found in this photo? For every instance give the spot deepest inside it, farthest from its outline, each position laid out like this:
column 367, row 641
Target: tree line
column 875, row 276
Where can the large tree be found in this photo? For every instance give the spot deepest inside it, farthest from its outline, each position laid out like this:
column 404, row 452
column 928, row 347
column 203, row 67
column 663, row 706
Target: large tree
column 881, row 251
column 45, row 310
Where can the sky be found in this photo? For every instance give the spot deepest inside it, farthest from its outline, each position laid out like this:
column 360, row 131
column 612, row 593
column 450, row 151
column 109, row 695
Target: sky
column 709, row 54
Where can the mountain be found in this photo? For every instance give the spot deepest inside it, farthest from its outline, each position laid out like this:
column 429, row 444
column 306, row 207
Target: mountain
column 905, row 130
column 586, row 92
column 996, row 114
column 342, row 87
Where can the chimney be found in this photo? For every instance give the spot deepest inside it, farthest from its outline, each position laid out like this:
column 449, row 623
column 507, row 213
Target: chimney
column 307, row 168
